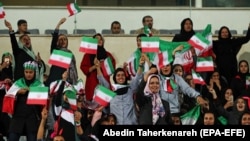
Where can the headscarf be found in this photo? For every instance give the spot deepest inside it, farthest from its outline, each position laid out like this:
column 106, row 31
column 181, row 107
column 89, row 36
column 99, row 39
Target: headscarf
column 157, row 106
column 186, row 35
column 101, row 52
column 72, row 71
column 122, row 90
column 30, row 52
column 229, row 33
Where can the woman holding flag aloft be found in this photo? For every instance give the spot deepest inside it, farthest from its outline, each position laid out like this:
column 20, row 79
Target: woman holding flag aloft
column 122, row 105
column 25, row 117
column 60, row 42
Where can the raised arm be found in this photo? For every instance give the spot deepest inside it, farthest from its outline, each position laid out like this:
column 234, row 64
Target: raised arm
column 13, row 40
column 55, row 35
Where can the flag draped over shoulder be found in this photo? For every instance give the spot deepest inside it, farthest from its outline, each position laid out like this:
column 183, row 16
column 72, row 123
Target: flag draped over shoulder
column 2, row 13
column 150, row 44
column 88, row 45
column 191, row 117
column 107, row 67
column 60, row 58
column 10, row 96
column 38, row 96
column 204, row 64
column 197, row 78
column 103, row 95
column 73, row 9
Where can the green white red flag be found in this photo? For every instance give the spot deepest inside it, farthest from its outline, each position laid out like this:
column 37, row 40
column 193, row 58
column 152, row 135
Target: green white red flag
column 204, row 64
column 2, row 12
column 37, row 96
column 132, row 69
column 107, row 67
column 198, row 42
column 163, row 58
column 208, row 51
column 197, row 78
column 88, row 45
column 150, row 44
column 103, row 95
column 60, row 58
column 70, row 93
column 73, row 9
column 185, row 59
column 191, row 117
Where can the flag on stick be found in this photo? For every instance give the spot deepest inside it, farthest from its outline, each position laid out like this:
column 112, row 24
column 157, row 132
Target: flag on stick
column 2, row 13
column 197, row 78
column 38, row 96
column 191, row 117
column 73, row 9
column 103, row 95
column 88, row 45
column 150, row 44
column 60, row 58
column 204, row 64
column 107, row 67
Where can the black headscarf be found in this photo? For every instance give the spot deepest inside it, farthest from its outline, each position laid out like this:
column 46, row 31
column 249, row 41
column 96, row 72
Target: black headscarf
column 121, row 90
column 229, row 33
column 101, row 52
column 186, row 35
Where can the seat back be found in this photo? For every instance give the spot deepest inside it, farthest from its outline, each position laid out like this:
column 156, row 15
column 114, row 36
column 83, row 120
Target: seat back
column 61, row 31
column 34, row 31
column 84, row 31
column 4, row 31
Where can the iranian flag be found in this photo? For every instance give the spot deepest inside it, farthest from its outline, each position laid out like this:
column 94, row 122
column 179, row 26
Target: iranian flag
column 207, row 33
column 73, row 9
column 197, row 78
column 198, row 42
column 147, row 31
column 9, row 99
column 185, row 59
column 107, row 67
column 132, row 69
column 2, row 13
column 103, row 95
column 38, row 96
column 204, row 64
column 79, row 87
column 60, row 58
column 191, row 117
column 71, row 96
column 150, row 44
column 88, row 45
column 162, row 59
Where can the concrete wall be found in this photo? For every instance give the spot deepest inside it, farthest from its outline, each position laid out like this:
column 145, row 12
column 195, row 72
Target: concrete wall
column 130, row 17
column 121, row 47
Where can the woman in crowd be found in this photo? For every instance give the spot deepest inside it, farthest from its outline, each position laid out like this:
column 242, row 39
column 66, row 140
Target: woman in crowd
column 25, row 117
column 153, row 110
column 88, row 66
column 60, row 42
column 23, row 52
column 226, row 49
column 241, row 83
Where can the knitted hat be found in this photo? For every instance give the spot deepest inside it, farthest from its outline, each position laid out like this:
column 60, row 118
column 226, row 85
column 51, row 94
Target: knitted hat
column 32, row 65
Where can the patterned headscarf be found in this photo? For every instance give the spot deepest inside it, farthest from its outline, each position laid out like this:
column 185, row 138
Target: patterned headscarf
column 157, row 106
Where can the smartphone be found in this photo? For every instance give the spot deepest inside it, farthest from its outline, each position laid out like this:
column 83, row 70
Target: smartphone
column 7, row 60
column 231, row 98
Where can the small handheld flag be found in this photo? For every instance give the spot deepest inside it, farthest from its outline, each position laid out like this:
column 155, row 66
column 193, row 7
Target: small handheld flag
column 60, row 58
column 88, row 45
column 73, row 9
column 103, row 95
column 2, row 13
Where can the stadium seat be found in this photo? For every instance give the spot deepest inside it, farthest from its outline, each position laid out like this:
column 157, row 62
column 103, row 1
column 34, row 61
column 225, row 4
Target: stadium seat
column 34, row 31
column 61, row 31
column 84, row 31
